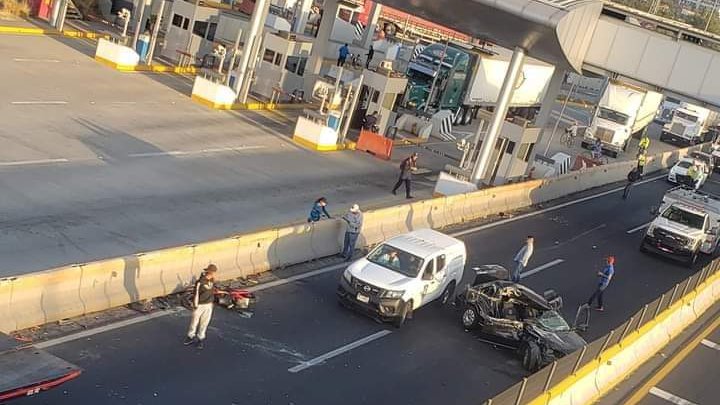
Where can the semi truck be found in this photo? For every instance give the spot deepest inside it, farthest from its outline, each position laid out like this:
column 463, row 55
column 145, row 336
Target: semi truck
column 623, row 111
column 686, row 225
column 689, row 124
column 470, row 77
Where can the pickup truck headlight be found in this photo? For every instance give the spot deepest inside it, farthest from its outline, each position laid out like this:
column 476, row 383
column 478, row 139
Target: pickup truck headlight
column 650, row 231
column 347, row 276
column 392, row 294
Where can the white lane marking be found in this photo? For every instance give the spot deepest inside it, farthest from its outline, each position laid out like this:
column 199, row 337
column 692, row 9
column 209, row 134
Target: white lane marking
column 541, row 268
column 710, row 344
column 340, row 350
column 36, row 60
column 638, row 228
column 34, row 162
column 39, row 102
column 106, row 328
column 670, row 397
column 550, row 209
column 283, row 281
column 194, row 152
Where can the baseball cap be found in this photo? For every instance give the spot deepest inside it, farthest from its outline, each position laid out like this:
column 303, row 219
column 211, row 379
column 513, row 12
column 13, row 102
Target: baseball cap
column 355, row 208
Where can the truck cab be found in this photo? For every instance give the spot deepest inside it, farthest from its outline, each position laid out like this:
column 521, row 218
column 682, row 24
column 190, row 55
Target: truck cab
column 686, row 225
column 686, row 126
column 403, row 274
column 612, row 127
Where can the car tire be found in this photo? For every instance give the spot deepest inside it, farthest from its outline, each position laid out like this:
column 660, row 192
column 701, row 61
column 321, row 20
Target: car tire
column 447, row 296
column 530, row 355
column 470, row 318
column 400, row 320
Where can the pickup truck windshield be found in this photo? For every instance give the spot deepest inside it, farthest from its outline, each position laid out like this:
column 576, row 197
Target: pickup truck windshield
column 685, row 116
column 679, row 215
column 613, row 116
column 396, row 260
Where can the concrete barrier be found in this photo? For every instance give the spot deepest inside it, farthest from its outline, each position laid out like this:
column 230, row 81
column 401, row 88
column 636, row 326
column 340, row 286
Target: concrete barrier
column 315, row 136
column 37, row 298
column 213, row 95
column 115, row 55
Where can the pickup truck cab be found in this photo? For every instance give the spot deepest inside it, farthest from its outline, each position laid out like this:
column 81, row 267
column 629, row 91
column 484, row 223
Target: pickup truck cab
column 686, row 225
column 404, row 273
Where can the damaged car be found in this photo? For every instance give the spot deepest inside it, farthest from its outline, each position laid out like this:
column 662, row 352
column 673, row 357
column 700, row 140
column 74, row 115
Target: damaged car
column 513, row 315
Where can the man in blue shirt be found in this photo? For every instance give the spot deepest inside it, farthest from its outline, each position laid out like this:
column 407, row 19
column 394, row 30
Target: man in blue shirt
column 343, row 54
column 604, row 277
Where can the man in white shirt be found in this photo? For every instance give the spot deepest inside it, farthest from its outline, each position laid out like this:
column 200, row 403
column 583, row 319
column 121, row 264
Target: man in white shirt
column 521, row 259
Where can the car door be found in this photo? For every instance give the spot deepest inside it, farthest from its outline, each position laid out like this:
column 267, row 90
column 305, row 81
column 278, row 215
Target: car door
column 431, row 284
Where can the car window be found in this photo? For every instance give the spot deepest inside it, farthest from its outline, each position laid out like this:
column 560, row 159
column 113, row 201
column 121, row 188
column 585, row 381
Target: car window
column 429, row 269
column 396, row 259
column 440, row 262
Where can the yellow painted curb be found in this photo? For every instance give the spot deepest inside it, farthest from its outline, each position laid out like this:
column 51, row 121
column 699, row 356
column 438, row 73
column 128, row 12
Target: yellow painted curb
column 40, row 32
column 211, row 104
column 320, row 148
column 109, row 63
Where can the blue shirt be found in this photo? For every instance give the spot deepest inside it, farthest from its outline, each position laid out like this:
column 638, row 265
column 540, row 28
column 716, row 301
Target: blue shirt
column 344, row 51
column 317, row 212
column 606, row 275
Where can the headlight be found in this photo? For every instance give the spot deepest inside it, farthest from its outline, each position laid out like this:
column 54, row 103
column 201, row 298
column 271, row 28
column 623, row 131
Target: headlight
column 651, row 230
column 690, row 243
column 392, row 294
column 347, row 276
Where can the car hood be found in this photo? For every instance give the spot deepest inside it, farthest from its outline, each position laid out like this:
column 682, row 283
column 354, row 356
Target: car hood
column 679, row 171
column 564, row 342
column 678, row 228
column 377, row 275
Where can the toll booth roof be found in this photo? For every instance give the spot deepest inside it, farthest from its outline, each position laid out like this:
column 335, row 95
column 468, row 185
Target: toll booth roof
column 554, row 31
column 24, row 367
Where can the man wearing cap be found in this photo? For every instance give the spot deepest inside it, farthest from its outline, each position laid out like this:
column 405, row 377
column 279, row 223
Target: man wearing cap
column 354, row 221
column 203, row 301
column 604, row 277
column 407, row 167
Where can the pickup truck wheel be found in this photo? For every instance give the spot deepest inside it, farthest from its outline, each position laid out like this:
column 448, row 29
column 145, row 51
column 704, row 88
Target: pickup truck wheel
column 470, row 318
column 447, row 295
column 404, row 312
column 693, row 259
column 530, row 352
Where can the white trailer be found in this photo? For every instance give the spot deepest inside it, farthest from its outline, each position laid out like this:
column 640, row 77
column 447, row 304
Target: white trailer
column 622, row 111
column 689, row 124
column 490, row 74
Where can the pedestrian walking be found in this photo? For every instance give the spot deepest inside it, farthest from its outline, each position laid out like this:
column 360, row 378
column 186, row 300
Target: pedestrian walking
column 407, row 167
column 597, row 149
column 370, row 54
column 202, row 302
column 354, row 221
column 632, row 177
column 521, row 259
column 343, row 53
column 604, row 277
column 319, row 210
column 641, row 160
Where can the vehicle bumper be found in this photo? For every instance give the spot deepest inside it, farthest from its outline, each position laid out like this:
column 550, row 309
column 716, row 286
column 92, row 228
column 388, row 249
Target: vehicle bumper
column 384, row 309
column 669, row 136
column 653, row 245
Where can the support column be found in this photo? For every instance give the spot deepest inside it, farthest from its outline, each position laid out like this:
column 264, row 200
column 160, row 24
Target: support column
column 301, row 15
column 142, row 6
column 498, row 118
column 369, row 32
column 320, row 44
column 252, row 35
column 547, row 106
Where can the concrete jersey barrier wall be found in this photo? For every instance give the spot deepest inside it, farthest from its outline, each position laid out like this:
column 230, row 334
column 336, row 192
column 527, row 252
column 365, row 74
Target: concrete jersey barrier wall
column 46, row 296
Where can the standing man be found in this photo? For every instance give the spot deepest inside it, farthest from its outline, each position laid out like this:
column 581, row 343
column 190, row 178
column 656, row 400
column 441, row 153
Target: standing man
column 644, row 143
column 632, row 177
column 641, row 160
column 521, row 259
column 370, row 54
column 407, row 167
column 604, row 277
column 354, row 221
column 371, row 121
column 203, row 301
column 342, row 55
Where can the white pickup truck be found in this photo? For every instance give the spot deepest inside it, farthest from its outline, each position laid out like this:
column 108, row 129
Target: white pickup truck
column 404, row 273
column 686, row 225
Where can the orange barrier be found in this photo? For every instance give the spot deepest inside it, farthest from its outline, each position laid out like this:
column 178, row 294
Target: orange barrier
column 375, row 143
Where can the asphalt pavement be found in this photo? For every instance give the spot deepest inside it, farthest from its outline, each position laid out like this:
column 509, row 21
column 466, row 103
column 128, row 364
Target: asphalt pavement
column 300, row 347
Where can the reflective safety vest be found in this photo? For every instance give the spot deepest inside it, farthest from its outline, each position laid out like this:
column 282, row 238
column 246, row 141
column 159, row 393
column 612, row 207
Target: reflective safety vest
column 644, row 142
column 641, row 160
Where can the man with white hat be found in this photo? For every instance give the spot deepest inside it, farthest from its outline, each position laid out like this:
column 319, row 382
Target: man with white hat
column 354, row 220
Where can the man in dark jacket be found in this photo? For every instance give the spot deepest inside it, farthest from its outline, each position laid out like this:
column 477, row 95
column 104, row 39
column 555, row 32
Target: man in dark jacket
column 370, row 55
column 407, row 167
column 203, row 301
column 632, row 177
column 318, row 210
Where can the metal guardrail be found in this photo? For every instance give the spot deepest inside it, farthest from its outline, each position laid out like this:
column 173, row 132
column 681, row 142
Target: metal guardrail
column 539, row 383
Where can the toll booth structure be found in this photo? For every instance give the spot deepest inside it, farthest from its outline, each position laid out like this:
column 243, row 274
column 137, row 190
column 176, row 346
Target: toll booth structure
column 282, row 65
column 381, row 91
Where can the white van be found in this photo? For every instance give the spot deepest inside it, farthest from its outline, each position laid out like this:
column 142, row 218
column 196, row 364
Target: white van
column 404, row 273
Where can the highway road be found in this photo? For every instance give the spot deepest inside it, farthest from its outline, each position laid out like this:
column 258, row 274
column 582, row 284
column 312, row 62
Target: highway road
column 300, row 347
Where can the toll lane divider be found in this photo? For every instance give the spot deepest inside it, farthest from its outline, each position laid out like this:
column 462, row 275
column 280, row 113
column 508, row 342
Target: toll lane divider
column 46, row 296
column 586, row 375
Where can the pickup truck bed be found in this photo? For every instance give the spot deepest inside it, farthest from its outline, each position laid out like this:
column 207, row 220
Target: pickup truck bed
column 27, row 370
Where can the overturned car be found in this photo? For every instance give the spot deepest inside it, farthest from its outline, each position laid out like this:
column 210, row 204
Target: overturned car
column 513, row 315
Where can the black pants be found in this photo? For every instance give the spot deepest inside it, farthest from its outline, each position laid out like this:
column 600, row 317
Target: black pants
column 341, row 61
column 626, row 191
column 599, row 295
column 641, row 168
column 407, row 186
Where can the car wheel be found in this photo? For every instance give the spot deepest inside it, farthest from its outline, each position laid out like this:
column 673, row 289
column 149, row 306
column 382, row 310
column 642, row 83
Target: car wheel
column 530, row 352
column 447, row 294
column 400, row 320
column 470, row 318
